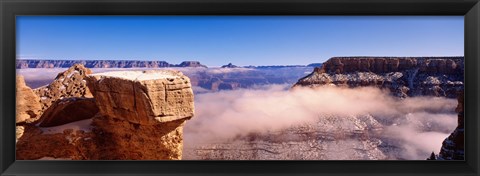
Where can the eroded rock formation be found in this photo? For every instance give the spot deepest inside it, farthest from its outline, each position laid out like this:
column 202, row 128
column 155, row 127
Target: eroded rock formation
column 70, row 83
column 403, row 76
column 140, row 117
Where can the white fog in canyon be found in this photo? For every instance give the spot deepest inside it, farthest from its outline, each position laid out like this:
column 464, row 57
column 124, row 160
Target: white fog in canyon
column 419, row 124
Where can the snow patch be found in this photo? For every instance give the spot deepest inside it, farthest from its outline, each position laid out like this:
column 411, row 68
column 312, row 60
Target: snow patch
column 141, row 75
column 71, row 74
column 76, row 126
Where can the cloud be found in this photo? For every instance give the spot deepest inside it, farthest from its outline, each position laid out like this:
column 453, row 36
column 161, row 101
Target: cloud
column 36, row 77
column 421, row 123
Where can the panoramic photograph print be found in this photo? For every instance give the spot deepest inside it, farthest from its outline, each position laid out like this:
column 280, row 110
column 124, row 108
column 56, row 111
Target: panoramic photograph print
column 239, row 88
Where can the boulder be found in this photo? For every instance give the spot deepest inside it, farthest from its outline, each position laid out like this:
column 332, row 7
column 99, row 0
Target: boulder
column 143, row 97
column 68, row 110
column 28, row 104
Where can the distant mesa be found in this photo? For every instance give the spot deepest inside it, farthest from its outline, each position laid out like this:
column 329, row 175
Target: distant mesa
column 229, row 65
column 34, row 63
column 30, row 63
column 191, row 64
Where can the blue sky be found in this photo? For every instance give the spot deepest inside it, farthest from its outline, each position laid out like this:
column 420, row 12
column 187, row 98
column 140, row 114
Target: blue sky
column 241, row 40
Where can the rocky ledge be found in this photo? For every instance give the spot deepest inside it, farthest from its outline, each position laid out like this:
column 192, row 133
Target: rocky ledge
column 136, row 115
column 402, row 76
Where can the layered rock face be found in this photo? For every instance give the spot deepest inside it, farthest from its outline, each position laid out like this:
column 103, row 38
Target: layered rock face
column 140, row 116
column 27, row 63
column 403, row 76
column 70, row 83
column 453, row 145
column 140, row 97
column 90, row 63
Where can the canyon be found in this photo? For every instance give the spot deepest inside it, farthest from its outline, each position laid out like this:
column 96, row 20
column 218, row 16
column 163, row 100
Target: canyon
column 368, row 137
column 207, row 79
column 93, row 114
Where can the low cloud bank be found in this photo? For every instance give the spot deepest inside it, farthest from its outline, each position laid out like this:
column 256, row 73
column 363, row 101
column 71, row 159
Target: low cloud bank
column 418, row 124
column 37, row 77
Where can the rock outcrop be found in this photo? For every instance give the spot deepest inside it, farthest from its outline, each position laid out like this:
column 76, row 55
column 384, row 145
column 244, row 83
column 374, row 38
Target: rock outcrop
column 70, row 83
column 140, row 116
column 403, row 76
column 453, row 145
column 28, row 106
column 140, row 97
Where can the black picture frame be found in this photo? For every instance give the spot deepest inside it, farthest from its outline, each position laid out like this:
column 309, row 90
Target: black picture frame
column 470, row 9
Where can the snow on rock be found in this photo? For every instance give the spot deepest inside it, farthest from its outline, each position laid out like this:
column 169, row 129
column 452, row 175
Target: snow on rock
column 142, row 75
column 76, row 126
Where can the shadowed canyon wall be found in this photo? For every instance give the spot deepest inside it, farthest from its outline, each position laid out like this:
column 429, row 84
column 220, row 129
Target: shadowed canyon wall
column 402, row 76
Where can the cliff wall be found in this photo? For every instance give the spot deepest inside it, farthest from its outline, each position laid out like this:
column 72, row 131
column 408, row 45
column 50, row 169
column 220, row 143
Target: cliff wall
column 403, row 76
column 453, row 147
